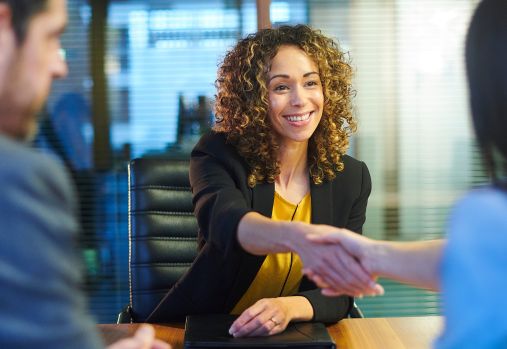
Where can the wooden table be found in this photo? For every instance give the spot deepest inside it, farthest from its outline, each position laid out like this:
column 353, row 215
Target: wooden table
column 386, row 333
column 368, row 333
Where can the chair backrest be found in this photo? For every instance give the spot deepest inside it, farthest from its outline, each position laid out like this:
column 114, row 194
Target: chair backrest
column 162, row 230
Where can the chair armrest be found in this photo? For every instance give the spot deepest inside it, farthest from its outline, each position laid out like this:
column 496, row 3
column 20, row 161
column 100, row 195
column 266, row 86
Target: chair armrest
column 355, row 312
column 125, row 316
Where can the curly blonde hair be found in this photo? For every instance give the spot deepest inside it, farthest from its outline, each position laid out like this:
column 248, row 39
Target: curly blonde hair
column 241, row 102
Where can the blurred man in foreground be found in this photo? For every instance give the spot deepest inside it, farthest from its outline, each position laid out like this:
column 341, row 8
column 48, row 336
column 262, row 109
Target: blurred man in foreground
column 41, row 303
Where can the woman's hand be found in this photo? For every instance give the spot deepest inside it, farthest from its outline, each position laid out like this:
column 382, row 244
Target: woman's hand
column 328, row 263
column 266, row 317
column 354, row 250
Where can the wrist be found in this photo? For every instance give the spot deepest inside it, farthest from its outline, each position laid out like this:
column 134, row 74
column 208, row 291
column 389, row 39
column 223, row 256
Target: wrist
column 298, row 308
column 377, row 257
column 292, row 236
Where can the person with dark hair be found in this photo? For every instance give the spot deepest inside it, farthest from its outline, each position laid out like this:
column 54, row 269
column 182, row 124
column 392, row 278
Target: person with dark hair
column 470, row 267
column 41, row 301
column 274, row 163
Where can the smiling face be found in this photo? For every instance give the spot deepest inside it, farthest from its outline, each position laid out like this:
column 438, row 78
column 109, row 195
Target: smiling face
column 296, row 99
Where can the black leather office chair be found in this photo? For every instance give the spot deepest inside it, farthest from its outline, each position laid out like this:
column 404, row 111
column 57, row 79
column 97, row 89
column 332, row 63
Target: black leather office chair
column 162, row 233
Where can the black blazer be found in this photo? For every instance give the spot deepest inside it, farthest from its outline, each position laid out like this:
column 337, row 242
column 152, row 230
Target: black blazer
column 223, row 270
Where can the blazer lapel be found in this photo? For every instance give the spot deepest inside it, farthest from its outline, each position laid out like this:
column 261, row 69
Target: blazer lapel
column 322, row 202
column 262, row 202
column 262, row 198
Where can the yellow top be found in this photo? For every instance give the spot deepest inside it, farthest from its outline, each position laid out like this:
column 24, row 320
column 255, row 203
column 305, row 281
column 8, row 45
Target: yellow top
column 277, row 277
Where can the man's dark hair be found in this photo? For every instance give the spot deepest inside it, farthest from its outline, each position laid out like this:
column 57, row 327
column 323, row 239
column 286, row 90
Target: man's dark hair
column 486, row 63
column 22, row 12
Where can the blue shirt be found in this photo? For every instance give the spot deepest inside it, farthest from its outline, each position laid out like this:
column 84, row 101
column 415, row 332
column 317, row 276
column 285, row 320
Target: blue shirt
column 41, row 301
column 474, row 273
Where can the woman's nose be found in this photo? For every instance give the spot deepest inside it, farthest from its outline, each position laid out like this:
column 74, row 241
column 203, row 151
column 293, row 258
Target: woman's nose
column 297, row 96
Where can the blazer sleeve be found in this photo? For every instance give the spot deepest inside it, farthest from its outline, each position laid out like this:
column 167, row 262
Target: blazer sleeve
column 40, row 297
column 332, row 309
column 219, row 203
column 325, row 309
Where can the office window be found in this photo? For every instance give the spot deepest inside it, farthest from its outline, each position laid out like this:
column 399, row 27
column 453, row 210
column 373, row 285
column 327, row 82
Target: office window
column 164, row 55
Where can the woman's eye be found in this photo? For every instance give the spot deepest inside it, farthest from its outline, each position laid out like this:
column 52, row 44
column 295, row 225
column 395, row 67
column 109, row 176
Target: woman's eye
column 312, row 83
column 281, row 88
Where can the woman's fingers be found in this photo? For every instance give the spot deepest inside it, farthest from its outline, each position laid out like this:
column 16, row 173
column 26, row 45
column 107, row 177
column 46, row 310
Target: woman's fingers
column 247, row 321
column 267, row 328
column 264, row 318
column 260, row 324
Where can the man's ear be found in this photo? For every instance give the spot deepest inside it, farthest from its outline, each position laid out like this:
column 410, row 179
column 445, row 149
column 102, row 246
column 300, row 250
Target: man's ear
column 5, row 22
column 7, row 42
column 5, row 15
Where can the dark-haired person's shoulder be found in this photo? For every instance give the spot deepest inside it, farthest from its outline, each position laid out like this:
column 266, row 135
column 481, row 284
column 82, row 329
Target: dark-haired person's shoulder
column 487, row 205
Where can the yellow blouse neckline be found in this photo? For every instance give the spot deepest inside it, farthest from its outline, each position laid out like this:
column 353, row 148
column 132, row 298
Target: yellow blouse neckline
column 290, row 203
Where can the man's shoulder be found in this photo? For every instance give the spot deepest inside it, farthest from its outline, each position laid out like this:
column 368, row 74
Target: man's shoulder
column 19, row 159
column 29, row 170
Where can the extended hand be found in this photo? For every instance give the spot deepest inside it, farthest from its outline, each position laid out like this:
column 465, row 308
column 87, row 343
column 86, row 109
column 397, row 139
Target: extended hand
column 354, row 250
column 144, row 338
column 266, row 317
column 329, row 264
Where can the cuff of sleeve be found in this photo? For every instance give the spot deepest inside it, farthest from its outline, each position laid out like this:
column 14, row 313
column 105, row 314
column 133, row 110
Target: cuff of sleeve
column 327, row 309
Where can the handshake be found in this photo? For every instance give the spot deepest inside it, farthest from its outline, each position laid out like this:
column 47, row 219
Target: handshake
column 342, row 262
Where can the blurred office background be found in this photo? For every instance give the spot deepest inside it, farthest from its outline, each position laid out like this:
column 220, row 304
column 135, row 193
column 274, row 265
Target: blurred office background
column 141, row 83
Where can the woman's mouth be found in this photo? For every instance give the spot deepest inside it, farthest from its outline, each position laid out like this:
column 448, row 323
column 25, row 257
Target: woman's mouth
column 298, row 118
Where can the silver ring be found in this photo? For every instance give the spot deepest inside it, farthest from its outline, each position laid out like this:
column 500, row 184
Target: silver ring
column 275, row 322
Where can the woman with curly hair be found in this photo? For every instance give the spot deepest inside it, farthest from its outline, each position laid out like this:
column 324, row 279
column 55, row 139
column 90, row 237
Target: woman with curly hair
column 274, row 163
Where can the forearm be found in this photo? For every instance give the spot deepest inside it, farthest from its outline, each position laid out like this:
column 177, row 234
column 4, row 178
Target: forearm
column 261, row 235
column 415, row 263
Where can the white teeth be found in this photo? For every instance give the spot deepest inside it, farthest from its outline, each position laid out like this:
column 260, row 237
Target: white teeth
column 294, row 118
